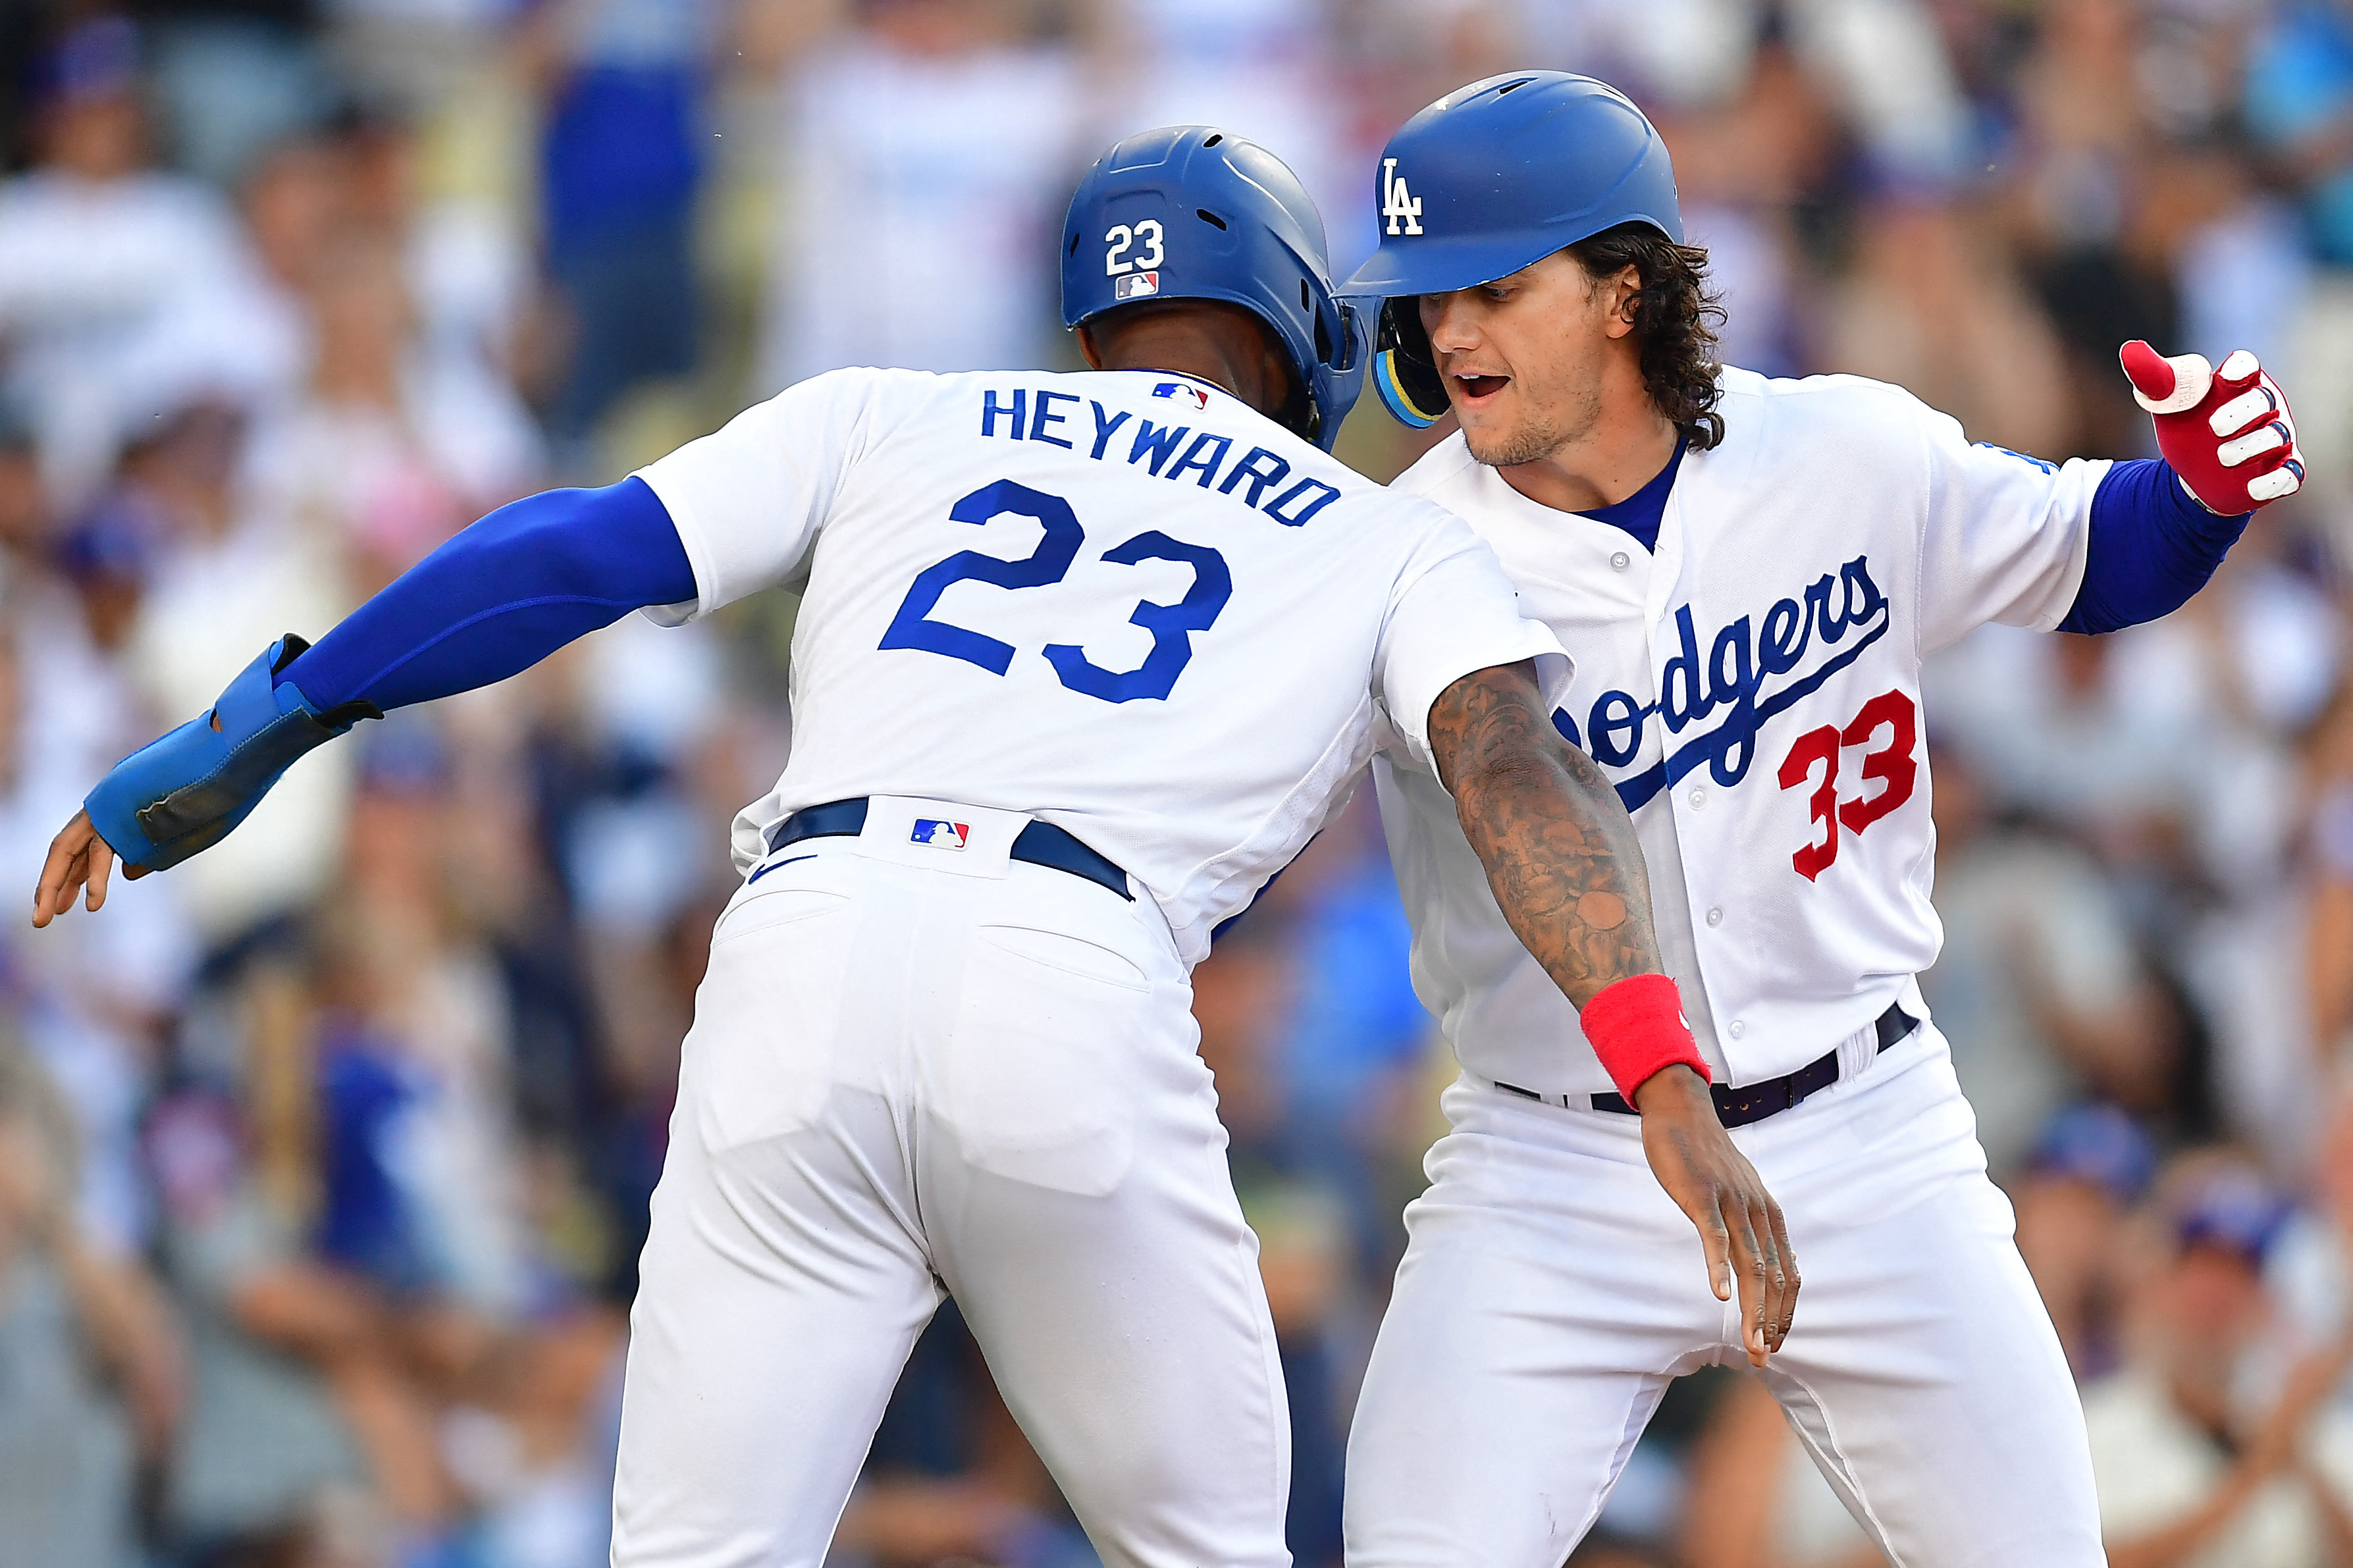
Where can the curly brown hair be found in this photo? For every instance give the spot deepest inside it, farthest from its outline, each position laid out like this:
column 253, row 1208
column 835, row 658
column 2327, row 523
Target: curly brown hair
column 1676, row 317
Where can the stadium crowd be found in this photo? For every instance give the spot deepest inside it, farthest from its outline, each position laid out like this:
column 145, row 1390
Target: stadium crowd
column 324, row 1160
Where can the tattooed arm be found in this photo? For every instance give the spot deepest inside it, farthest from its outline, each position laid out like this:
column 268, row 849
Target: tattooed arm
column 1558, row 847
column 1568, row 875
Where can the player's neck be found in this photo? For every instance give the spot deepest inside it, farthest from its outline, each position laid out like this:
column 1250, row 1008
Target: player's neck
column 1210, row 342
column 1201, row 356
column 1628, row 442
column 1203, row 367
column 1180, row 356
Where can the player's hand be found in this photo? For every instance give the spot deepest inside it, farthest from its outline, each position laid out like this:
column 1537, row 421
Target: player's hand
column 78, row 858
column 2228, row 432
column 1713, row 1182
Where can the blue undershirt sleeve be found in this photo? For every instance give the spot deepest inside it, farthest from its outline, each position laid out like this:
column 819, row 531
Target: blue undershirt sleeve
column 2151, row 548
column 501, row 596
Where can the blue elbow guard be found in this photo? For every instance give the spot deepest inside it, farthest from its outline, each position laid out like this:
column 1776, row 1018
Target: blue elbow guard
column 185, row 792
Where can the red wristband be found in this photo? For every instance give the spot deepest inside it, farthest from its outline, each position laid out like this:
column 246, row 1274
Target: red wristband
column 1637, row 1026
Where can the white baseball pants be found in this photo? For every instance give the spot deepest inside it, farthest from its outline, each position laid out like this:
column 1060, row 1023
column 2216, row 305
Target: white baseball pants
column 918, row 1071
column 1551, row 1290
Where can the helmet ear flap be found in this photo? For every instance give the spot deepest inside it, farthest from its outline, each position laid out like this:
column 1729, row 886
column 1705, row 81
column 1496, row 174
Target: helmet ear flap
column 1405, row 373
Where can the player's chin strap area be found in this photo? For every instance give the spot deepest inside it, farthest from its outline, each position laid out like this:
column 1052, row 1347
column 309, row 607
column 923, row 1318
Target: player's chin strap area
column 1405, row 373
column 1039, row 844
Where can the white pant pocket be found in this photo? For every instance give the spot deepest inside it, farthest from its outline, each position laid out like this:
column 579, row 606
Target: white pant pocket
column 759, row 1061
column 1039, row 1080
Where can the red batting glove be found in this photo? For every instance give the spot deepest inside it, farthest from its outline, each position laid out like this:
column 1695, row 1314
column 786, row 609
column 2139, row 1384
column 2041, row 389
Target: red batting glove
column 2227, row 433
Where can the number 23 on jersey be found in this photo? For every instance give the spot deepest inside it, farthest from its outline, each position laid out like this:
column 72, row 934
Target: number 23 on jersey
column 1171, row 626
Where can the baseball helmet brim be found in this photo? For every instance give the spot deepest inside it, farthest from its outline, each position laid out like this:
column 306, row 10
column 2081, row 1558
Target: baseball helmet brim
column 1440, row 266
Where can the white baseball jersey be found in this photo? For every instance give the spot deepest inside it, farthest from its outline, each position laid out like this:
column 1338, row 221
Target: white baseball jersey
column 1753, row 689
column 1122, row 602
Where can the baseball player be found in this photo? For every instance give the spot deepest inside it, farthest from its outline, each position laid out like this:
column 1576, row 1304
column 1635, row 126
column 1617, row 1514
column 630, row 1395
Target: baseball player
column 1747, row 573
column 1082, row 661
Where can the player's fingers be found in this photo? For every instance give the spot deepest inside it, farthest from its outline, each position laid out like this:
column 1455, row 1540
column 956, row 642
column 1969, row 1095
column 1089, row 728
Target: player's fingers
column 2151, row 376
column 1757, row 1321
column 2163, row 386
column 1754, row 1271
column 1774, row 1307
column 2283, row 480
column 60, row 880
column 1780, row 1230
column 2269, row 436
column 2239, row 365
column 1767, row 1218
column 101, row 864
column 1715, row 1239
column 61, row 873
column 2258, row 402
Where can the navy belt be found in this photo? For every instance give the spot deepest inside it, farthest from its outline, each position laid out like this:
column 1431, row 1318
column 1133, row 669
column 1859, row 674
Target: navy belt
column 1039, row 844
column 1756, row 1101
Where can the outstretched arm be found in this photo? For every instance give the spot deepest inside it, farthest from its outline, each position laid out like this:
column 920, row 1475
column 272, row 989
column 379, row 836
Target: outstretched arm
column 496, row 599
column 1567, row 872
column 500, row 597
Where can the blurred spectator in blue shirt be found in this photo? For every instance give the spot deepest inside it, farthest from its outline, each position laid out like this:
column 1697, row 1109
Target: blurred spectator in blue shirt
column 2299, row 108
column 2300, row 105
column 620, row 164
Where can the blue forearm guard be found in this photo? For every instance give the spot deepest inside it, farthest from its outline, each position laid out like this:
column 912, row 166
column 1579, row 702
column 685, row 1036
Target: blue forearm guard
column 184, row 792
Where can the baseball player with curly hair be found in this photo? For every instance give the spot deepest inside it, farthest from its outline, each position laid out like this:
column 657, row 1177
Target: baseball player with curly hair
column 1082, row 661
column 1747, row 573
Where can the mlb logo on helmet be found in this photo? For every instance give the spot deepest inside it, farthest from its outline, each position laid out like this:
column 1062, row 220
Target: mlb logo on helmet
column 1135, row 286
column 940, row 834
column 1201, row 399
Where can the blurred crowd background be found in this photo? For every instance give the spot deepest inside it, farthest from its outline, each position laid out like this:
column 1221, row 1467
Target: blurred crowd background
column 324, row 1160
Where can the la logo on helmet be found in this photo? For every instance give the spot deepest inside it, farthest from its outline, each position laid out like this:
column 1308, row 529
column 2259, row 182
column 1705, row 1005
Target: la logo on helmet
column 1397, row 201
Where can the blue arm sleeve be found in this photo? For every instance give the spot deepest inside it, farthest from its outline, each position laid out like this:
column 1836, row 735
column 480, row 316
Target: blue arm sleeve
column 2151, row 548
column 501, row 596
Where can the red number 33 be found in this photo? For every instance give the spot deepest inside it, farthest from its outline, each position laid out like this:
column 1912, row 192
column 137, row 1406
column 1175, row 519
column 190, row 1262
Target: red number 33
column 1891, row 764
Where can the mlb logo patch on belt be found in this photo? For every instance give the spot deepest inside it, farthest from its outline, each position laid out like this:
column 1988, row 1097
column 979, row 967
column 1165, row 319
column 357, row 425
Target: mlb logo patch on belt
column 940, row 834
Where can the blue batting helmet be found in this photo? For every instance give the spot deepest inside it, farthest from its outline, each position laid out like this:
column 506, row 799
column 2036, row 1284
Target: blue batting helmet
column 1490, row 178
column 1188, row 212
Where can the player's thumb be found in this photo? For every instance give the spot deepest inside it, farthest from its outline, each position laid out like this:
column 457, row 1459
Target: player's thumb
column 2163, row 386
